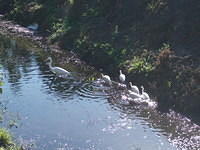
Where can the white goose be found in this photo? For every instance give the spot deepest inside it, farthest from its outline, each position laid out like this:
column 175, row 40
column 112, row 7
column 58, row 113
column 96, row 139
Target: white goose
column 122, row 76
column 57, row 70
column 106, row 78
column 134, row 88
column 144, row 95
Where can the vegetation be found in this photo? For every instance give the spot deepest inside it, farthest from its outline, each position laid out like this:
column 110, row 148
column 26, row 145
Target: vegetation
column 6, row 142
column 1, row 82
column 113, row 34
column 5, row 138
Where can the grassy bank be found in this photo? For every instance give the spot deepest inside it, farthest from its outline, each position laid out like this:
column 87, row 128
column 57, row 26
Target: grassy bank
column 6, row 142
column 155, row 42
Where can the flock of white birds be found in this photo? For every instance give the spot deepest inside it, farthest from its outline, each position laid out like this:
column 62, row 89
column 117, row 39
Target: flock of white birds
column 133, row 92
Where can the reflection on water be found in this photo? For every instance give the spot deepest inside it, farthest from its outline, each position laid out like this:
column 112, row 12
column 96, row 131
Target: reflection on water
column 75, row 114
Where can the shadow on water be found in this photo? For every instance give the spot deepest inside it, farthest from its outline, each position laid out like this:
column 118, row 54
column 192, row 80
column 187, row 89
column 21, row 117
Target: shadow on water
column 12, row 57
column 79, row 113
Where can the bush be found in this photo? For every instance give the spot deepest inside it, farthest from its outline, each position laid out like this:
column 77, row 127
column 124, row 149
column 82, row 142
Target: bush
column 140, row 65
column 143, row 63
column 6, row 142
column 5, row 138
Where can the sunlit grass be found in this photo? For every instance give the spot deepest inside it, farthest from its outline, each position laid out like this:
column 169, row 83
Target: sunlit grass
column 71, row 2
column 5, row 138
column 139, row 64
column 6, row 142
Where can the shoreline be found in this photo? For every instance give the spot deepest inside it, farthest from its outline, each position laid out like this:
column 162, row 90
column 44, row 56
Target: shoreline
column 11, row 28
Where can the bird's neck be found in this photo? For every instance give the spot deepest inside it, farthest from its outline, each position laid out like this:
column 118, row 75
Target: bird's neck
column 131, row 85
column 50, row 65
column 142, row 90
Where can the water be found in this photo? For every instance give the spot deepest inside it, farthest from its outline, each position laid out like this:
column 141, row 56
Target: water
column 78, row 114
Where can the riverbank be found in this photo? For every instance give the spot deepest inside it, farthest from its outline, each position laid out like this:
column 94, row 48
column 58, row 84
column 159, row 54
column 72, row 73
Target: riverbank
column 13, row 29
column 6, row 142
column 170, row 74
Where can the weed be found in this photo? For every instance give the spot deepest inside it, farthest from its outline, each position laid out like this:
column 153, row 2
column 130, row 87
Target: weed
column 5, row 138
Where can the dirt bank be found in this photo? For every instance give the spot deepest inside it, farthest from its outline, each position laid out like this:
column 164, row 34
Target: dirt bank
column 13, row 29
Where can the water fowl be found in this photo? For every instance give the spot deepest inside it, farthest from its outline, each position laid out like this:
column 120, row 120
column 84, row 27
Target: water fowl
column 144, row 95
column 57, row 70
column 106, row 78
column 122, row 76
column 134, row 88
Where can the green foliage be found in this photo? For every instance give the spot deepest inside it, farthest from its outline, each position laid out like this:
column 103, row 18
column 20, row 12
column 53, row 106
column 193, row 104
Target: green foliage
column 140, row 65
column 165, row 46
column 150, row 17
column 58, row 29
column 71, row 2
column 34, row 6
column 155, row 6
column 5, row 138
column 101, row 53
column 90, row 12
column 143, row 63
column 6, row 142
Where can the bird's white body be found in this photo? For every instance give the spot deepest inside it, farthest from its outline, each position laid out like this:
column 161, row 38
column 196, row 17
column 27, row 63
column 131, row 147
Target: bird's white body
column 33, row 26
column 134, row 95
column 122, row 77
column 107, row 79
column 134, row 88
column 57, row 70
column 144, row 94
column 121, row 86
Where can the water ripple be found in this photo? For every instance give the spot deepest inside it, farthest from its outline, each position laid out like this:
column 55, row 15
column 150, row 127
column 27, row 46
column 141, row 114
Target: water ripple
column 94, row 90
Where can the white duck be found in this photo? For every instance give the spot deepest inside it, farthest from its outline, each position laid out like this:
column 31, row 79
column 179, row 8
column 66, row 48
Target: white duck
column 144, row 95
column 122, row 76
column 134, row 88
column 57, row 70
column 106, row 78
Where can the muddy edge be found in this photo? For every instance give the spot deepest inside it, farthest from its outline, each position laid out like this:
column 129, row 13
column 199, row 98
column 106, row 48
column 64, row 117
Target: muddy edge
column 14, row 30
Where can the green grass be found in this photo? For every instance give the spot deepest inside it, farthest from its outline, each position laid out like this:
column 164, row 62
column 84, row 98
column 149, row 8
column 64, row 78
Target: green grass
column 5, row 138
column 139, row 64
column 6, row 142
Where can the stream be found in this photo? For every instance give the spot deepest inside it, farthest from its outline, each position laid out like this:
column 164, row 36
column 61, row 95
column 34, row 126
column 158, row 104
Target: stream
column 44, row 112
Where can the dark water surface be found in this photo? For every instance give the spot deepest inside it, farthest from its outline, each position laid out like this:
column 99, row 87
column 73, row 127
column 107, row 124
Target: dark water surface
column 77, row 114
